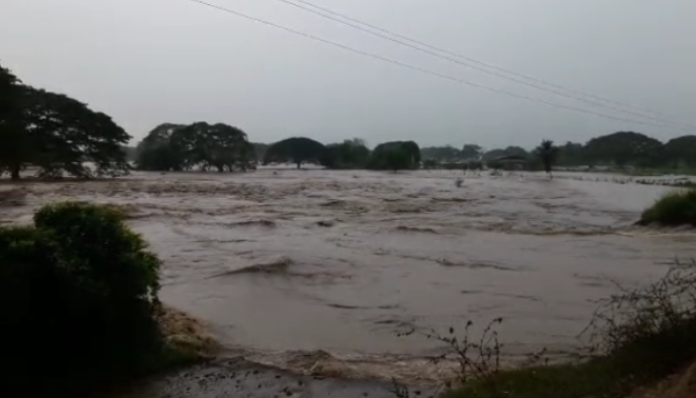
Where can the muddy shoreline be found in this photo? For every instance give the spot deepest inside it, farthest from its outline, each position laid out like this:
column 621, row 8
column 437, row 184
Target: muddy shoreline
column 240, row 378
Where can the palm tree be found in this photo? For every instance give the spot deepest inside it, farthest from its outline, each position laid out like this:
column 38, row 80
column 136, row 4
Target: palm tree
column 547, row 153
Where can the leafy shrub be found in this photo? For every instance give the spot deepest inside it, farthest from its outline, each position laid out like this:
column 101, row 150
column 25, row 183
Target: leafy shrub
column 674, row 208
column 78, row 299
column 649, row 332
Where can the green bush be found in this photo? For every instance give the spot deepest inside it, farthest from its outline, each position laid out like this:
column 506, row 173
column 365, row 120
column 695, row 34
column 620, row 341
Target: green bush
column 78, row 300
column 674, row 208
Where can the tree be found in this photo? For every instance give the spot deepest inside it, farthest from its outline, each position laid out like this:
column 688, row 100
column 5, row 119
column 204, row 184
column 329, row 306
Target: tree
column 57, row 134
column 548, row 154
column 13, row 145
column 471, row 152
column 350, row 154
column 156, row 153
column 379, row 159
column 198, row 145
column 220, row 146
column 397, row 159
column 680, row 151
column 624, row 148
column 297, row 150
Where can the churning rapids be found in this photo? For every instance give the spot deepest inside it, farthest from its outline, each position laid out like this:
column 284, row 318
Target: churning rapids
column 314, row 270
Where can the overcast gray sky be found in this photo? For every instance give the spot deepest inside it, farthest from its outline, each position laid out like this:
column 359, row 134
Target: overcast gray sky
column 146, row 62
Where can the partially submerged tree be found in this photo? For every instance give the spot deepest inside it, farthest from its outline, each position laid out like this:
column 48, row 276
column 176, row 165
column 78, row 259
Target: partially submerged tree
column 13, row 145
column 155, row 152
column 198, row 145
column 680, row 151
column 397, row 159
column 624, row 148
column 548, row 154
column 380, row 157
column 57, row 134
column 350, row 154
column 297, row 150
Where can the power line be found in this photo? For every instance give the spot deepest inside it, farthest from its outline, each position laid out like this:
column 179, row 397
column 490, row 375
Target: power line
column 488, row 65
column 412, row 67
column 558, row 90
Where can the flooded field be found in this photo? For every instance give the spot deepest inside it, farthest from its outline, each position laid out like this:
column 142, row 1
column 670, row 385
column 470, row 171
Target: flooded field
column 317, row 271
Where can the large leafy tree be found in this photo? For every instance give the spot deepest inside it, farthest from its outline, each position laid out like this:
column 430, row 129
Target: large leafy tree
column 680, row 151
column 297, row 150
column 350, row 154
column 155, row 151
column 57, row 134
column 397, row 159
column 624, row 148
column 13, row 143
column 219, row 145
column 382, row 156
column 198, row 145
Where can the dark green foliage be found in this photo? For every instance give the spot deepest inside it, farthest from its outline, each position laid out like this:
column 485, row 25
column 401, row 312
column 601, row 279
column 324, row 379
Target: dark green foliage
column 175, row 147
column 680, row 151
column 624, row 148
column 397, row 159
column 78, row 300
column 297, row 150
column 57, row 134
column 547, row 154
column 673, row 208
column 350, row 154
column 156, row 153
column 395, row 155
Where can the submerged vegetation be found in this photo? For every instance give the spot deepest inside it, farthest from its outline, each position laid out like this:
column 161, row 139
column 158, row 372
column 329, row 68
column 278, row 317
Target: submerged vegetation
column 674, row 208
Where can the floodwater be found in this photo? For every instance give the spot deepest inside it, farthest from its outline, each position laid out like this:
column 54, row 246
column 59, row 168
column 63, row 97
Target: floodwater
column 318, row 271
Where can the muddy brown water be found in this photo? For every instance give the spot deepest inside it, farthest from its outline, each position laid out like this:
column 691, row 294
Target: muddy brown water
column 317, row 271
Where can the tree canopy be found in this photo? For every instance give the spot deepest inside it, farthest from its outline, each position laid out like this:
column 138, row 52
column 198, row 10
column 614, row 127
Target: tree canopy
column 57, row 134
column 350, row 154
column 623, row 148
column 297, row 150
column 389, row 154
column 681, row 151
column 176, row 147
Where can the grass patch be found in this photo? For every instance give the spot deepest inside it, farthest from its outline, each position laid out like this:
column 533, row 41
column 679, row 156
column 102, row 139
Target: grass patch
column 674, row 208
column 559, row 381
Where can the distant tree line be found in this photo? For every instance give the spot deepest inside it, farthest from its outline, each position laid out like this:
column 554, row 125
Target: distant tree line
column 56, row 134
column 621, row 149
column 200, row 146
